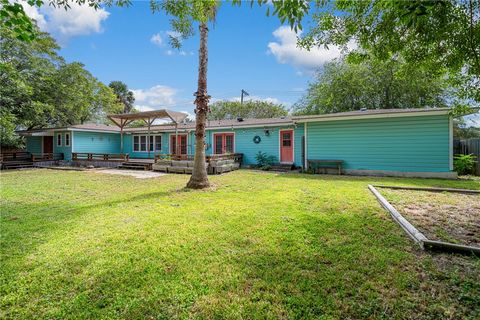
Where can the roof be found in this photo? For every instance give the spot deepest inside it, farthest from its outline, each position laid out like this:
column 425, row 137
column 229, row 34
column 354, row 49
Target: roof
column 373, row 112
column 217, row 124
column 245, row 123
column 76, row 127
column 125, row 118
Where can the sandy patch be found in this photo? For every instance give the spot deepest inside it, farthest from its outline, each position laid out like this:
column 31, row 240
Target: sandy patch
column 133, row 173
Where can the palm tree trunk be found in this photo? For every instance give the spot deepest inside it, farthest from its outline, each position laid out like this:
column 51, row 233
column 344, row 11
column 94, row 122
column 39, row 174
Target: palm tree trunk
column 199, row 179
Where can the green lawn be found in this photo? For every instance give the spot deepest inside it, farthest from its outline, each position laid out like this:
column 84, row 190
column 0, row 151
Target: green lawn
column 259, row 245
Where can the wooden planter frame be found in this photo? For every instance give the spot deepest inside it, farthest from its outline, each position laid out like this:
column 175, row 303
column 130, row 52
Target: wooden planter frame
column 417, row 236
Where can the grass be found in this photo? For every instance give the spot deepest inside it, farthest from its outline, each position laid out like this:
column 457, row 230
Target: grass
column 78, row 245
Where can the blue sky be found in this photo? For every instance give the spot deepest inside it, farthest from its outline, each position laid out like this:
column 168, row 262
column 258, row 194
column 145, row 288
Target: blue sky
column 247, row 50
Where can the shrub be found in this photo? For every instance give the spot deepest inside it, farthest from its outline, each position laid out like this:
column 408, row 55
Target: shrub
column 464, row 163
column 265, row 161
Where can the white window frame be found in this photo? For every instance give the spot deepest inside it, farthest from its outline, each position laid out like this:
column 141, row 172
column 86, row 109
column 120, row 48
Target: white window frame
column 147, row 144
column 67, row 134
column 59, row 135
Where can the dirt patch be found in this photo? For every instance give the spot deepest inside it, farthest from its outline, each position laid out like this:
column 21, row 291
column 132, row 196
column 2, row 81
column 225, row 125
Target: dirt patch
column 444, row 216
column 132, row 173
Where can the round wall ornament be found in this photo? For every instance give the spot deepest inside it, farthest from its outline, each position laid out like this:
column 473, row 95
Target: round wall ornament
column 257, row 139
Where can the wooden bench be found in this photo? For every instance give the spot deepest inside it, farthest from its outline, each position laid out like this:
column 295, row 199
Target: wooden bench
column 326, row 164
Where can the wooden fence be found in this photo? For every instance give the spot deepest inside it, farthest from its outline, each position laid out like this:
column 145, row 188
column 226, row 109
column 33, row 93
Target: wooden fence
column 468, row 146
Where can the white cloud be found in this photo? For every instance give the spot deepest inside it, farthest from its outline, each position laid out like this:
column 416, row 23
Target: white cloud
column 286, row 51
column 64, row 24
column 190, row 116
column 169, row 53
column 156, row 97
column 156, row 39
column 173, row 34
column 33, row 13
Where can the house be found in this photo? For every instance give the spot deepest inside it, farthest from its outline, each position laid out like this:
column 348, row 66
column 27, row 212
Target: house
column 396, row 142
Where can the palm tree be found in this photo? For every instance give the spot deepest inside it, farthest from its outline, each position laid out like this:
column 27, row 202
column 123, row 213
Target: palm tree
column 199, row 178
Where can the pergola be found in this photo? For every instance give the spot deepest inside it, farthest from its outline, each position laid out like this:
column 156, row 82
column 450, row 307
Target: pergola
column 124, row 119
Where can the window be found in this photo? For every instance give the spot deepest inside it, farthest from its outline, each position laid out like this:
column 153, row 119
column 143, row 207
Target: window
column 286, row 139
column 224, row 143
column 151, row 144
column 67, row 139
column 158, row 143
column 136, row 143
column 140, row 143
column 59, row 139
column 143, row 143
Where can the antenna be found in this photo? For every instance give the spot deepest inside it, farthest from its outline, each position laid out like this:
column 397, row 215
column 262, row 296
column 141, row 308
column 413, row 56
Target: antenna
column 244, row 93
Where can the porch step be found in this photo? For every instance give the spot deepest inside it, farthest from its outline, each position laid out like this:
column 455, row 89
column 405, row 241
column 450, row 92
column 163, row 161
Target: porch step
column 282, row 167
column 9, row 165
column 135, row 166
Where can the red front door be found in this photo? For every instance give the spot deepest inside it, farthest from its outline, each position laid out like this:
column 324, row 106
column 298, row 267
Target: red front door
column 286, row 146
column 181, row 147
column 47, row 144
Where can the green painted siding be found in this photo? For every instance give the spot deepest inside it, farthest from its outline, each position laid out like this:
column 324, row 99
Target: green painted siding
column 67, row 151
column 415, row 144
column 96, row 142
column 34, row 144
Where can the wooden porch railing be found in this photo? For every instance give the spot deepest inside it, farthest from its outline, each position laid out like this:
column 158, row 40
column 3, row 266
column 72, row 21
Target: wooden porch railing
column 15, row 156
column 46, row 156
column 100, row 156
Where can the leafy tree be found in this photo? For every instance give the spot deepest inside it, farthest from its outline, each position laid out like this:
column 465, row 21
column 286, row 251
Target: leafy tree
column 439, row 35
column 38, row 89
column 373, row 84
column 185, row 13
column 249, row 109
column 124, row 96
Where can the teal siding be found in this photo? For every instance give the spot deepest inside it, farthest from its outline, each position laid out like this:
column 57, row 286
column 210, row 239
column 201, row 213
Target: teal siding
column 299, row 133
column 269, row 144
column 415, row 144
column 96, row 142
column 34, row 144
column 67, row 151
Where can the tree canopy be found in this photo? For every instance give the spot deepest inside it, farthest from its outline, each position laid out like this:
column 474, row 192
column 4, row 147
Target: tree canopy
column 440, row 35
column 249, row 109
column 373, row 84
column 37, row 88
column 124, row 95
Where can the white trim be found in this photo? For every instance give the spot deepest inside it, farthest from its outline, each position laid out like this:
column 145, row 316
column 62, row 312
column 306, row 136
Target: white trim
column 450, row 143
column 305, row 165
column 224, row 132
column 280, row 146
column 369, row 116
column 147, row 142
column 69, row 139
column 71, row 142
column 61, row 139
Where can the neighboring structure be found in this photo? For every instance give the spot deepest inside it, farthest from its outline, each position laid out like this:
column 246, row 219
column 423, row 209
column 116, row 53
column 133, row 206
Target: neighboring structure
column 398, row 142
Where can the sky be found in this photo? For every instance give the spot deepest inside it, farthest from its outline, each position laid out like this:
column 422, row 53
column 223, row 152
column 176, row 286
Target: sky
column 247, row 50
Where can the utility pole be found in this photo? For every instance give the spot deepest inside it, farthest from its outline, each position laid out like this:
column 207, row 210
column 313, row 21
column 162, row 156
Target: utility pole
column 243, row 93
